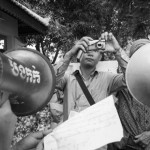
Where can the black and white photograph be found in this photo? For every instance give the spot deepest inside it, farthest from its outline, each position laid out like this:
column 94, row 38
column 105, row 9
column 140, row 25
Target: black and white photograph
column 74, row 75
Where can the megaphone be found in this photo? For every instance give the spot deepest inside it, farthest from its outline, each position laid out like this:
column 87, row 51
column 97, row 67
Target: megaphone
column 29, row 77
column 138, row 75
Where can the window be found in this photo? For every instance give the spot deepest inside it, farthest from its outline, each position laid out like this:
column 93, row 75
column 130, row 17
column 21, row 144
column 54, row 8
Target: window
column 3, row 43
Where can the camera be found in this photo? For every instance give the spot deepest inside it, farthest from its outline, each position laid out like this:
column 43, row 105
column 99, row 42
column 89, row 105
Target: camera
column 94, row 45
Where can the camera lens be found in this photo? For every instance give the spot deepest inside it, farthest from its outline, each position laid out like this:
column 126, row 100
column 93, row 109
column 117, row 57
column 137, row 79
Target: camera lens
column 99, row 45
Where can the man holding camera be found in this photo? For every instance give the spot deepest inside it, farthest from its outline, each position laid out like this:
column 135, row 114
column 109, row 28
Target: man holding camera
column 99, row 84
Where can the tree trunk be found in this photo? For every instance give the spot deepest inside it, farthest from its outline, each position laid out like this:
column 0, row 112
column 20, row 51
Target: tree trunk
column 42, row 47
column 55, row 57
column 37, row 45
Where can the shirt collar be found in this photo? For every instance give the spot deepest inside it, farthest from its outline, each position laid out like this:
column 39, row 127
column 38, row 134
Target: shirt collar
column 77, row 67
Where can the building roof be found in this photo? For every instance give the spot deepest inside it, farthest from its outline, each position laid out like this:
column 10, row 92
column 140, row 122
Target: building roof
column 44, row 21
column 28, row 21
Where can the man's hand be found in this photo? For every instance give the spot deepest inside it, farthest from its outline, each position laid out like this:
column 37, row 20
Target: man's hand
column 82, row 44
column 40, row 146
column 143, row 139
column 112, row 44
column 32, row 142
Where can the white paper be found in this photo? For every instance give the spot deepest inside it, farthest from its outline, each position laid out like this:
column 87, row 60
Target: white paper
column 92, row 128
column 72, row 114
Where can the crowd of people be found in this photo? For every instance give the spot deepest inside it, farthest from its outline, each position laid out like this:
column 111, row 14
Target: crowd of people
column 134, row 116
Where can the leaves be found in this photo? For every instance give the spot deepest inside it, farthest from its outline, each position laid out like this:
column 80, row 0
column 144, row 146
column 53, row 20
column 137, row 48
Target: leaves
column 71, row 19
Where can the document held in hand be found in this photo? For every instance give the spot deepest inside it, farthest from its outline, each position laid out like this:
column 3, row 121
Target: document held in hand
column 90, row 129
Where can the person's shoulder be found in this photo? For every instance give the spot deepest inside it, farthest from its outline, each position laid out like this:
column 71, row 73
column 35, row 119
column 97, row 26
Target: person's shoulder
column 106, row 73
column 69, row 76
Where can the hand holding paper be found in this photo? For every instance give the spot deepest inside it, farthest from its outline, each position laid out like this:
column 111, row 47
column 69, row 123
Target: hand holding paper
column 92, row 128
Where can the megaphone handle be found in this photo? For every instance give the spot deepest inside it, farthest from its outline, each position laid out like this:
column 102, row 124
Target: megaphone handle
column 79, row 54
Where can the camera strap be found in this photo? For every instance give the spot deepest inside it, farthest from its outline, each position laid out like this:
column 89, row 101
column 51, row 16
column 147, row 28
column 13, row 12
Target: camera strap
column 84, row 88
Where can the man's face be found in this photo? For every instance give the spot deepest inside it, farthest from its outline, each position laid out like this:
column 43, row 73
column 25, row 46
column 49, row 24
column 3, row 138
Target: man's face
column 90, row 59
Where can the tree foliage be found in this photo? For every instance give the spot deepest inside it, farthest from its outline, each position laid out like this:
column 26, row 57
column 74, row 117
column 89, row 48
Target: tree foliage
column 73, row 19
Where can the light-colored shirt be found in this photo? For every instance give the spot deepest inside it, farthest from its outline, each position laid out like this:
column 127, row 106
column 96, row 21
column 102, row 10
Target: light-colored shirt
column 100, row 85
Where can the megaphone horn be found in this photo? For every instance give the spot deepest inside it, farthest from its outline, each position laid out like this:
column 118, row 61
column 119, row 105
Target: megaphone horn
column 138, row 75
column 29, row 77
